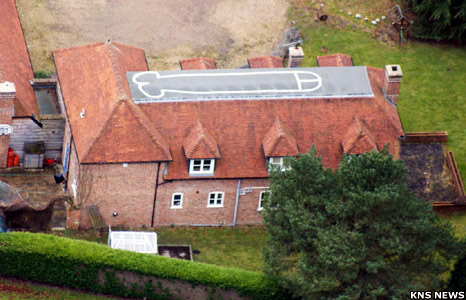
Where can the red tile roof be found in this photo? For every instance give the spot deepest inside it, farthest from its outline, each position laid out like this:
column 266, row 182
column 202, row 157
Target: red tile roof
column 113, row 129
column 200, row 143
column 15, row 65
column 358, row 139
column 265, row 62
column 278, row 141
column 198, row 63
column 243, row 129
column 335, row 60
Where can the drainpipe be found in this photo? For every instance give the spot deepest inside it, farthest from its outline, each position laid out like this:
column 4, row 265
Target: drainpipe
column 155, row 195
column 237, row 201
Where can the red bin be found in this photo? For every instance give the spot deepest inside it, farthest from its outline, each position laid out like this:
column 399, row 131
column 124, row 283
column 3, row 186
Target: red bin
column 10, row 158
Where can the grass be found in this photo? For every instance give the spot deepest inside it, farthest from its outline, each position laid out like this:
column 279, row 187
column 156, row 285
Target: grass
column 459, row 221
column 16, row 290
column 239, row 247
column 432, row 96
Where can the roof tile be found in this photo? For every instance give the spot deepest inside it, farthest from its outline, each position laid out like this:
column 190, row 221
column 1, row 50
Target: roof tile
column 245, row 130
column 335, row 60
column 198, row 63
column 15, row 65
column 278, row 141
column 200, row 143
column 113, row 128
column 267, row 61
column 358, row 139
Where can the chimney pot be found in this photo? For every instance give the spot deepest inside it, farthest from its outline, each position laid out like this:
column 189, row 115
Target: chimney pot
column 392, row 82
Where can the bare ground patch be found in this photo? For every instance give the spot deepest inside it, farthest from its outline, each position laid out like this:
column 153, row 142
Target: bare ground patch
column 228, row 30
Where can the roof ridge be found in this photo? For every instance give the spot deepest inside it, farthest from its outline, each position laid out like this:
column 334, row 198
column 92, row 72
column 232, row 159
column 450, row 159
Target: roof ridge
column 102, row 130
column 198, row 144
column 361, row 132
column 204, row 136
column 380, row 105
column 283, row 134
column 116, row 69
column 144, row 122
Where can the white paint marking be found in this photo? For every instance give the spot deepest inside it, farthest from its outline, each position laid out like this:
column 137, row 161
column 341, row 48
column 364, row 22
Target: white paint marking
column 141, row 85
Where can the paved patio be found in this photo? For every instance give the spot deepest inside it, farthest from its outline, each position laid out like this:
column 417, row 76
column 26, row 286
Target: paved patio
column 40, row 192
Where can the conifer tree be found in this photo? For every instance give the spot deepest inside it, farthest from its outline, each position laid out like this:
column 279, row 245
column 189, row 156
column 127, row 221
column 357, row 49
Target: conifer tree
column 440, row 19
column 353, row 233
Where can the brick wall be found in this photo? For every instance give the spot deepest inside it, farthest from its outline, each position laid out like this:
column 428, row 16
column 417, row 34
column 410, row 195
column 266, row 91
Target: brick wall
column 249, row 202
column 195, row 198
column 129, row 191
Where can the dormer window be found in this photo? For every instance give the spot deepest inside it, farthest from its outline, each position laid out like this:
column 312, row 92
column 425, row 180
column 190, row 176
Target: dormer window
column 278, row 161
column 201, row 150
column 202, row 167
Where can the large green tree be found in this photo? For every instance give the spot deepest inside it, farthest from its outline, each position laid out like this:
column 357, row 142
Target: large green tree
column 440, row 19
column 353, row 233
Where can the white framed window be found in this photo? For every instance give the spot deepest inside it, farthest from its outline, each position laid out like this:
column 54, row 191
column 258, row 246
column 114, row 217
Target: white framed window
column 215, row 199
column 201, row 167
column 262, row 196
column 177, row 201
column 278, row 161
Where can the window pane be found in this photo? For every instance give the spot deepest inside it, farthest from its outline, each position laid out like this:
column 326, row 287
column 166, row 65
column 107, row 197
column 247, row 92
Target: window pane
column 212, row 196
column 207, row 162
column 276, row 160
column 212, row 201
column 196, row 168
column 176, row 202
column 197, row 162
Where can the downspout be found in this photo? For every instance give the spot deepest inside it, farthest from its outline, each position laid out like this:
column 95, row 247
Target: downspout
column 237, row 201
column 155, row 195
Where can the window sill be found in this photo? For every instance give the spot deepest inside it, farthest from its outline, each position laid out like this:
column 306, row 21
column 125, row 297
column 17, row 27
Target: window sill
column 214, row 206
column 176, row 207
column 201, row 174
column 260, row 209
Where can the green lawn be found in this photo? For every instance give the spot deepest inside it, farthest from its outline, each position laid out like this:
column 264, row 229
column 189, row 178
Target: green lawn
column 432, row 96
column 239, row 247
column 15, row 290
column 459, row 221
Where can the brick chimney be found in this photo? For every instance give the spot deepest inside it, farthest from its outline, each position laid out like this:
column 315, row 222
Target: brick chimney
column 295, row 57
column 392, row 82
column 7, row 94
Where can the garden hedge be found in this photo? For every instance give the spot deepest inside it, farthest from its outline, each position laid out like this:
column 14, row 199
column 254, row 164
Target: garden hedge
column 77, row 264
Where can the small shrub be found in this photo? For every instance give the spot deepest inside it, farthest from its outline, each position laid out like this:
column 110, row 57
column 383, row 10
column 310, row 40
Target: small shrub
column 42, row 74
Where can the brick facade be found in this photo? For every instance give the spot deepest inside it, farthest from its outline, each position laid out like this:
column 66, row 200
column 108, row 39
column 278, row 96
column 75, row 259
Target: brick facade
column 129, row 191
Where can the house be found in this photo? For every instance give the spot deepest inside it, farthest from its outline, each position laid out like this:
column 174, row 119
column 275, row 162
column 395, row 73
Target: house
column 29, row 109
column 192, row 147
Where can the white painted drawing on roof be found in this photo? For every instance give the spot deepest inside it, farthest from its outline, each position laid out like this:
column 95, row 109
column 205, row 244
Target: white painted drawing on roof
column 155, row 86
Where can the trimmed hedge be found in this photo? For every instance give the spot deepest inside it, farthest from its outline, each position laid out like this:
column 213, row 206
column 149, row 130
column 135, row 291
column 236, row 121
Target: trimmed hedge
column 62, row 261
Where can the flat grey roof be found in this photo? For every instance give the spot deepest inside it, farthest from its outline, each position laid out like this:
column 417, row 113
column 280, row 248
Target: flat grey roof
column 246, row 84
